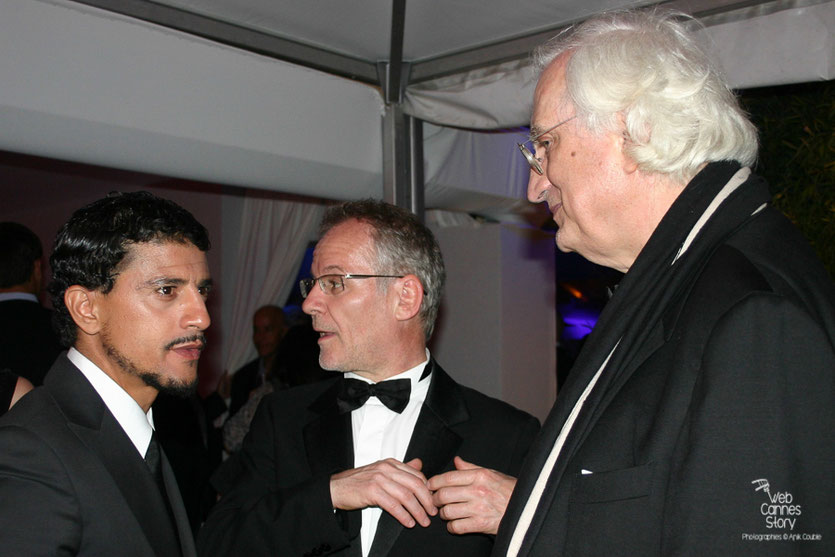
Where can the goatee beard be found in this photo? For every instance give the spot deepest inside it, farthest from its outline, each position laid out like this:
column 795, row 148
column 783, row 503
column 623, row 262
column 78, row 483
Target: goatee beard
column 150, row 378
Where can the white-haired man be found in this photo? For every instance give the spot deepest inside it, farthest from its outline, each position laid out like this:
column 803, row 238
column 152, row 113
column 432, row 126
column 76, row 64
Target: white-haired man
column 711, row 368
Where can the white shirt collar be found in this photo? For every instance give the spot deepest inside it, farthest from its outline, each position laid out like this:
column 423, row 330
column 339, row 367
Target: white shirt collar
column 137, row 424
column 6, row 296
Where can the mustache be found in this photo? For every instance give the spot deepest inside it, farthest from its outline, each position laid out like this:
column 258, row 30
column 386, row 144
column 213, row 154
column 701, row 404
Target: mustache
column 201, row 338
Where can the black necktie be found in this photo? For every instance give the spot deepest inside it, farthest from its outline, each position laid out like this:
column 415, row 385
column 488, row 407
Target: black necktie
column 394, row 394
column 152, row 459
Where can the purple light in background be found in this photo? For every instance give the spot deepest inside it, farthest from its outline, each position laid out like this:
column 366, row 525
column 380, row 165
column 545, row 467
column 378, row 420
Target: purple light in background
column 579, row 322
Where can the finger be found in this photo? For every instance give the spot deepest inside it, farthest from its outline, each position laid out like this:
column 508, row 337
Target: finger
column 448, row 479
column 461, row 464
column 465, row 526
column 421, row 510
column 400, row 499
column 400, row 513
column 464, row 519
column 412, row 467
column 415, row 463
column 423, row 497
column 455, row 511
column 449, row 495
column 409, row 487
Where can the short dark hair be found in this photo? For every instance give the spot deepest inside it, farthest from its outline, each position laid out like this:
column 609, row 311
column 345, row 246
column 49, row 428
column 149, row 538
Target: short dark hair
column 19, row 249
column 92, row 244
column 404, row 246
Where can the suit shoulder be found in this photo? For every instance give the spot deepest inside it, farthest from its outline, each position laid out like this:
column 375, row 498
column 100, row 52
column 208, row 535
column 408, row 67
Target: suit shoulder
column 767, row 257
column 299, row 398
column 38, row 418
column 484, row 406
column 38, row 405
column 735, row 271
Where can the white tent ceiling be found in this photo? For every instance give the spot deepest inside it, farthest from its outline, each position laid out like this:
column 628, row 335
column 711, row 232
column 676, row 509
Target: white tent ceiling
column 223, row 90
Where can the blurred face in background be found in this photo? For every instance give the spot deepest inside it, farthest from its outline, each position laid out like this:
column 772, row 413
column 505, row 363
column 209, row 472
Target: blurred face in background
column 267, row 330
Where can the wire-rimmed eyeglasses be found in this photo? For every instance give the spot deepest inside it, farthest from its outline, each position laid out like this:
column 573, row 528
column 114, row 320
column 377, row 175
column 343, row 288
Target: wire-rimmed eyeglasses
column 533, row 161
column 332, row 284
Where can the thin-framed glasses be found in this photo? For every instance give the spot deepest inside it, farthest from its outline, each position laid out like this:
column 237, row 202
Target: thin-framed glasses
column 333, row 284
column 534, row 162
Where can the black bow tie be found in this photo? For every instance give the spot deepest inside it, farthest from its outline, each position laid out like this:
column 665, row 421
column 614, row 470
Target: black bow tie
column 394, row 394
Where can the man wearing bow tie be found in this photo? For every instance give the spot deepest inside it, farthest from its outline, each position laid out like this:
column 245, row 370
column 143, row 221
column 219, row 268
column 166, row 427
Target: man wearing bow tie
column 341, row 467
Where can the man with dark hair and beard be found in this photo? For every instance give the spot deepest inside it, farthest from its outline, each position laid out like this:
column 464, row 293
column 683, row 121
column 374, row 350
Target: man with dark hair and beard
column 81, row 471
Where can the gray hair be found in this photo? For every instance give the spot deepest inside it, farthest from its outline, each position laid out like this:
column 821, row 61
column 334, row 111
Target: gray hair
column 648, row 68
column 403, row 246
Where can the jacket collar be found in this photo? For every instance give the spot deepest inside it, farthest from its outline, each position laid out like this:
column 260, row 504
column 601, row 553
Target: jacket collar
column 90, row 420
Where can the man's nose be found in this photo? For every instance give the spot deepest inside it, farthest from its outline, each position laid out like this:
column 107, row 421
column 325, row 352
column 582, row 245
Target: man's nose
column 196, row 315
column 313, row 303
column 537, row 186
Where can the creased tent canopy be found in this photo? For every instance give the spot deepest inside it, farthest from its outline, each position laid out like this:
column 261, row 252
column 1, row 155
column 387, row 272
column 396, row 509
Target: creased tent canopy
column 83, row 83
column 768, row 44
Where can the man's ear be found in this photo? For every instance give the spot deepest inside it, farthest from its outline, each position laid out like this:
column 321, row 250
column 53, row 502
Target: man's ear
column 625, row 140
column 409, row 297
column 81, row 303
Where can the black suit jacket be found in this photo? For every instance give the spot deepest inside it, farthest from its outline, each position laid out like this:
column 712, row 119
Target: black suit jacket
column 734, row 384
column 281, row 503
column 28, row 344
column 72, row 483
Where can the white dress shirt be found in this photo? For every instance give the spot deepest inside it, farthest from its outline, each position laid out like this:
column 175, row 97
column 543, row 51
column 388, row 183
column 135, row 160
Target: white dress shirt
column 138, row 425
column 380, row 433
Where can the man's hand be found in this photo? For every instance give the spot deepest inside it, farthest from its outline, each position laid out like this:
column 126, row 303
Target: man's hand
column 471, row 498
column 396, row 487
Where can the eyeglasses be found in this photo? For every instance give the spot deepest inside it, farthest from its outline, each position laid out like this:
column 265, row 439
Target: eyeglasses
column 533, row 161
column 334, row 284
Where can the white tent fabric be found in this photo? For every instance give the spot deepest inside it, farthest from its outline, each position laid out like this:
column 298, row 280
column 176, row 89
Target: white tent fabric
column 488, row 98
column 775, row 44
column 789, row 46
column 477, row 172
column 82, row 84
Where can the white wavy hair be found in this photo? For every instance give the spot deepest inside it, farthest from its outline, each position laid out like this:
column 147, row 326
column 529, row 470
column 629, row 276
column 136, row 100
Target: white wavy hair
column 648, row 68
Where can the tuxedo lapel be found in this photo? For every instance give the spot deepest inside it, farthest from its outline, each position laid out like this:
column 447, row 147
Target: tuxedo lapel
column 329, row 444
column 433, row 441
column 328, row 437
column 99, row 431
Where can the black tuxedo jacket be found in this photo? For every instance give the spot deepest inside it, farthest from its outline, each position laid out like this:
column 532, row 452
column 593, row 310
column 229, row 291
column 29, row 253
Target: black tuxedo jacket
column 732, row 389
column 28, row 344
column 281, row 503
column 72, row 483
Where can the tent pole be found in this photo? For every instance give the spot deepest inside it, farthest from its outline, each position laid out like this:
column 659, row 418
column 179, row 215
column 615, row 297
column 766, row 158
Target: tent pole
column 403, row 160
column 402, row 134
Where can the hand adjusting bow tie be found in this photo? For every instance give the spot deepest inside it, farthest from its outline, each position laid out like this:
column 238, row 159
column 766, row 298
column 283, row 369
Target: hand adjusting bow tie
column 394, row 394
